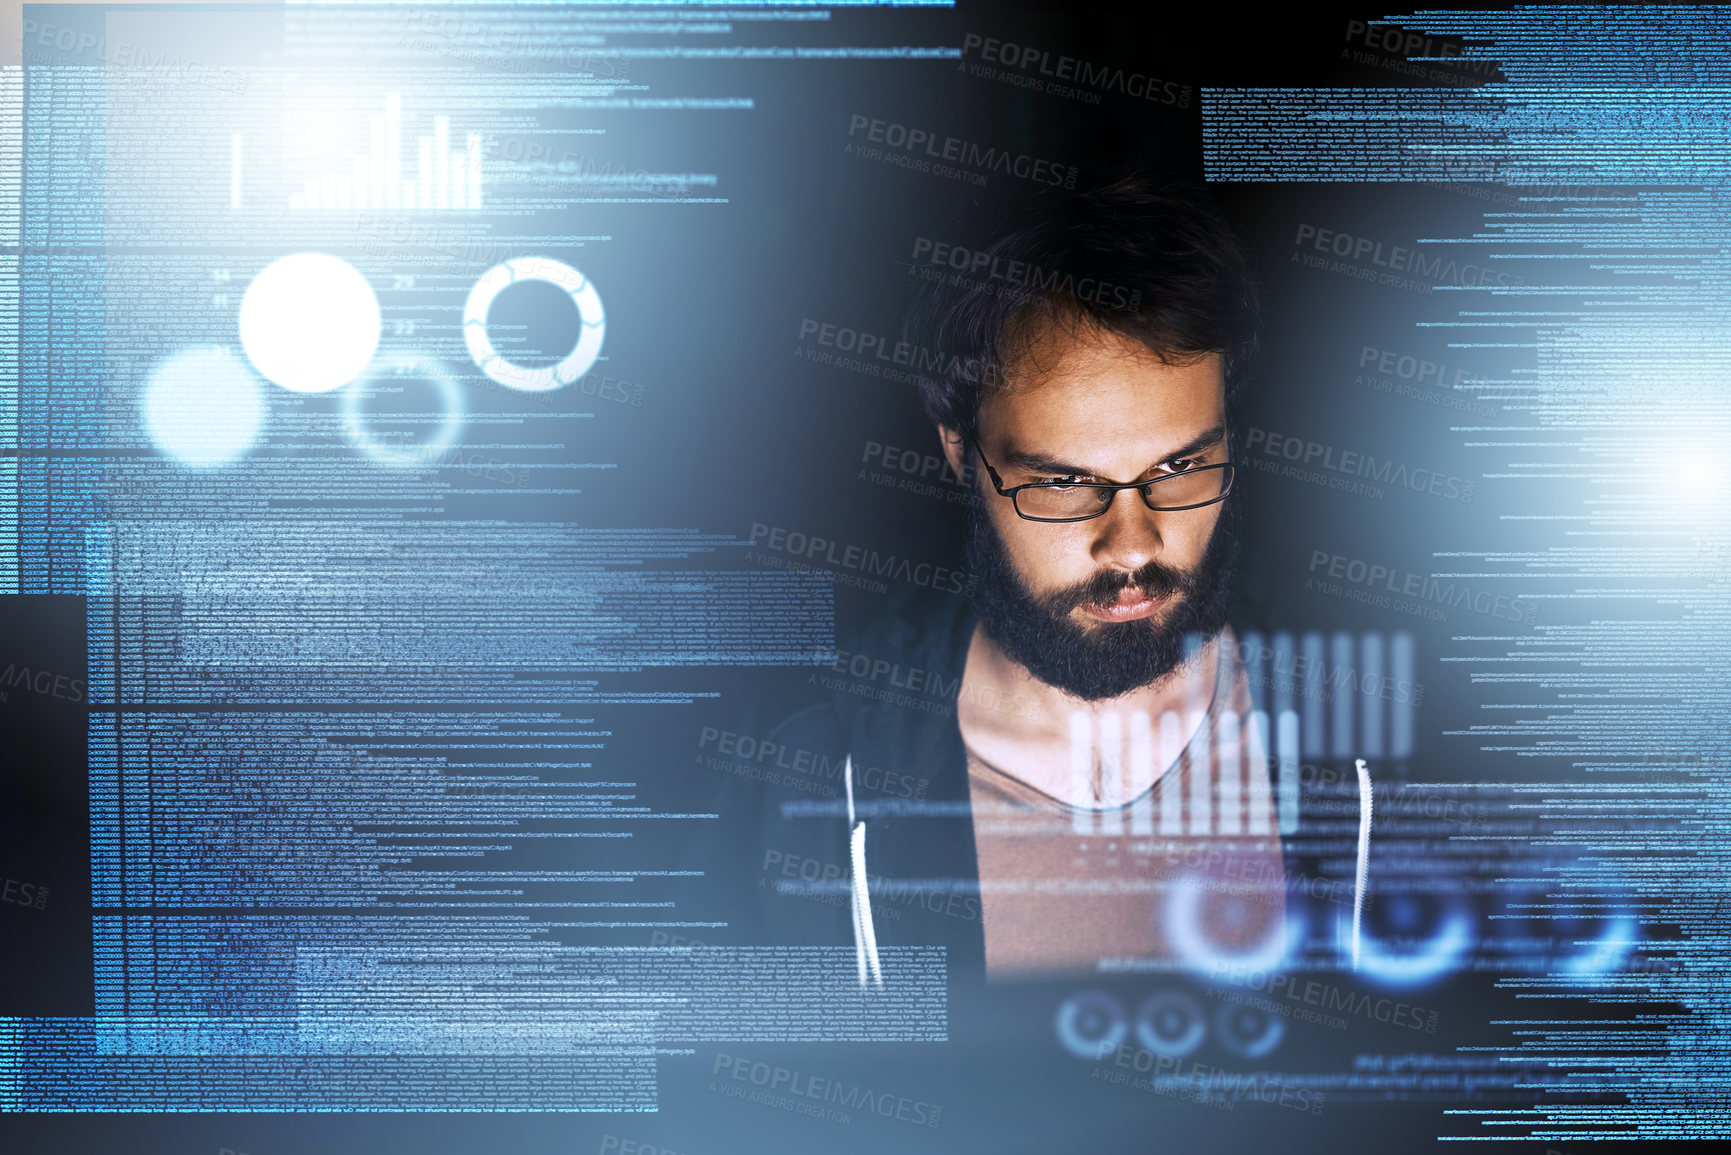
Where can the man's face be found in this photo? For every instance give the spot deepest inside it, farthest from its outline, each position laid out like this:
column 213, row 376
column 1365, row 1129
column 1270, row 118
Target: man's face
column 1099, row 607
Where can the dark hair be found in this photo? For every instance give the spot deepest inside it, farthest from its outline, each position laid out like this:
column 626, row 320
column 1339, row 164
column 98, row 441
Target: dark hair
column 1148, row 260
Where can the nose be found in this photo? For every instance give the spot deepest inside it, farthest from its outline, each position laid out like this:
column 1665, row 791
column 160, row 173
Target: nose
column 1127, row 535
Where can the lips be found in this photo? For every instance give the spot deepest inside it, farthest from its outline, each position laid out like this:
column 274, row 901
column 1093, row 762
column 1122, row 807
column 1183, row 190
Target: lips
column 1132, row 603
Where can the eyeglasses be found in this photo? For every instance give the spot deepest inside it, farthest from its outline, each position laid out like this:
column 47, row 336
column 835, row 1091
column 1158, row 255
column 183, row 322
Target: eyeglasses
column 1082, row 500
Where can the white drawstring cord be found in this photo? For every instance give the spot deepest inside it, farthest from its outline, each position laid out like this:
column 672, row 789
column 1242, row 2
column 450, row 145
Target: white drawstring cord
column 865, row 936
column 1363, row 876
column 865, row 939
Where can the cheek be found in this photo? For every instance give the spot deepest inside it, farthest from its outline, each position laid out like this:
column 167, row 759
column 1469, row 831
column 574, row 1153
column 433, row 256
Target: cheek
column 1048, row 556
column 1189, row 542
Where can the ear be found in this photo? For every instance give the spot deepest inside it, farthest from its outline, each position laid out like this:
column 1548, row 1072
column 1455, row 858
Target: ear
column 955, row 450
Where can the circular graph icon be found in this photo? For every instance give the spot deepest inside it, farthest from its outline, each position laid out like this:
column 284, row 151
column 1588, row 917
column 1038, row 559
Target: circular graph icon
column 522, row 377
column 1250, row 1032
column 1412, row 939
column 399, row 372
column 1091, row 1023
column 1170, row 1023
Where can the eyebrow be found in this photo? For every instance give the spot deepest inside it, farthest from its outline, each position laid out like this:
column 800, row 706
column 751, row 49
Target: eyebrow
column 1041, row 463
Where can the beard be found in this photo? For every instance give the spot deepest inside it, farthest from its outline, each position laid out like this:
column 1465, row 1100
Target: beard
column 1111, row 658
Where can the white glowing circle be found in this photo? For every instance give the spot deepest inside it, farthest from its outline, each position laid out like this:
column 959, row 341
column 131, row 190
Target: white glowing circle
column 501, row 277
column 309, row 322
column 202, row 407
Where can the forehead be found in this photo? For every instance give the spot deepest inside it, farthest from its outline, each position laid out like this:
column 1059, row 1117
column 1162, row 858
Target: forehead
column 1091, row 395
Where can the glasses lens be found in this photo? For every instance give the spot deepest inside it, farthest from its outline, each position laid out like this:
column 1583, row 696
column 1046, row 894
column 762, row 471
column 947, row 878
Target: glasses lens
column 1197, row 487
column 1180, row 491
column 1062, row 502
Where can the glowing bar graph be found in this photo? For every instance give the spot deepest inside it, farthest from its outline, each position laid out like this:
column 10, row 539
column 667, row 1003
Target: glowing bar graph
column 236, row 150
column 474, row 173
column 393, row 150
column 424, row 170
column 445, row 179
column 441, row 162
column 1081, row 772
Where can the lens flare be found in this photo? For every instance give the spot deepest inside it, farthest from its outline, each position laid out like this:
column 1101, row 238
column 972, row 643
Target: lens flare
column 202, row 407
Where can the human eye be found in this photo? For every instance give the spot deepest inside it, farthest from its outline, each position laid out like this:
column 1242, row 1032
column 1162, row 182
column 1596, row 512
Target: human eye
column 1068, row 481
column 1180, row 465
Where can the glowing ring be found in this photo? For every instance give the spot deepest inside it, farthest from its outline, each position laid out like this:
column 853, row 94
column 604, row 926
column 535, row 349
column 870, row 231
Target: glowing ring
column 513, row 272
column 405, row 365
column 1609, row 951
column 1184, row 930
column 1073, row 1024
column 1440, row 954
column 1228, row 1021
column 1149, row 1024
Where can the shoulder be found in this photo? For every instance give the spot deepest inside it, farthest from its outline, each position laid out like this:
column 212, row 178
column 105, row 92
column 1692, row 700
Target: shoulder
column 917, row 639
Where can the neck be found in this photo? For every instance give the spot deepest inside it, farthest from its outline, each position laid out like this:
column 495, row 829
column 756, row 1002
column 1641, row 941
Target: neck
column 1090, row 753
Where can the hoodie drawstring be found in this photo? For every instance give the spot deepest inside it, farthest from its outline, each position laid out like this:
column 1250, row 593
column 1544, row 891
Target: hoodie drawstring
column 865, row 939
column 1363, row 874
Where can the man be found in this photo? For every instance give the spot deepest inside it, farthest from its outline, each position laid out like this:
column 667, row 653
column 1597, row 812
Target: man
column 1100, row 799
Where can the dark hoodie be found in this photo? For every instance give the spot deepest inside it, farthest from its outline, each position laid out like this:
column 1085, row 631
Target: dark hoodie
column 835, row 781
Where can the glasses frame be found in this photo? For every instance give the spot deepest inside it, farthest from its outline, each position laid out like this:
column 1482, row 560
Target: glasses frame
column 1145, row 487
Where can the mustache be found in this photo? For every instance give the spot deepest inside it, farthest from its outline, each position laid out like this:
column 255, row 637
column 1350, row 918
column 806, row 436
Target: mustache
column 1154, row 578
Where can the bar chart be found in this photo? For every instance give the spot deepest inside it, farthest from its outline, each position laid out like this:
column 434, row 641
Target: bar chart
column 447, row 174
